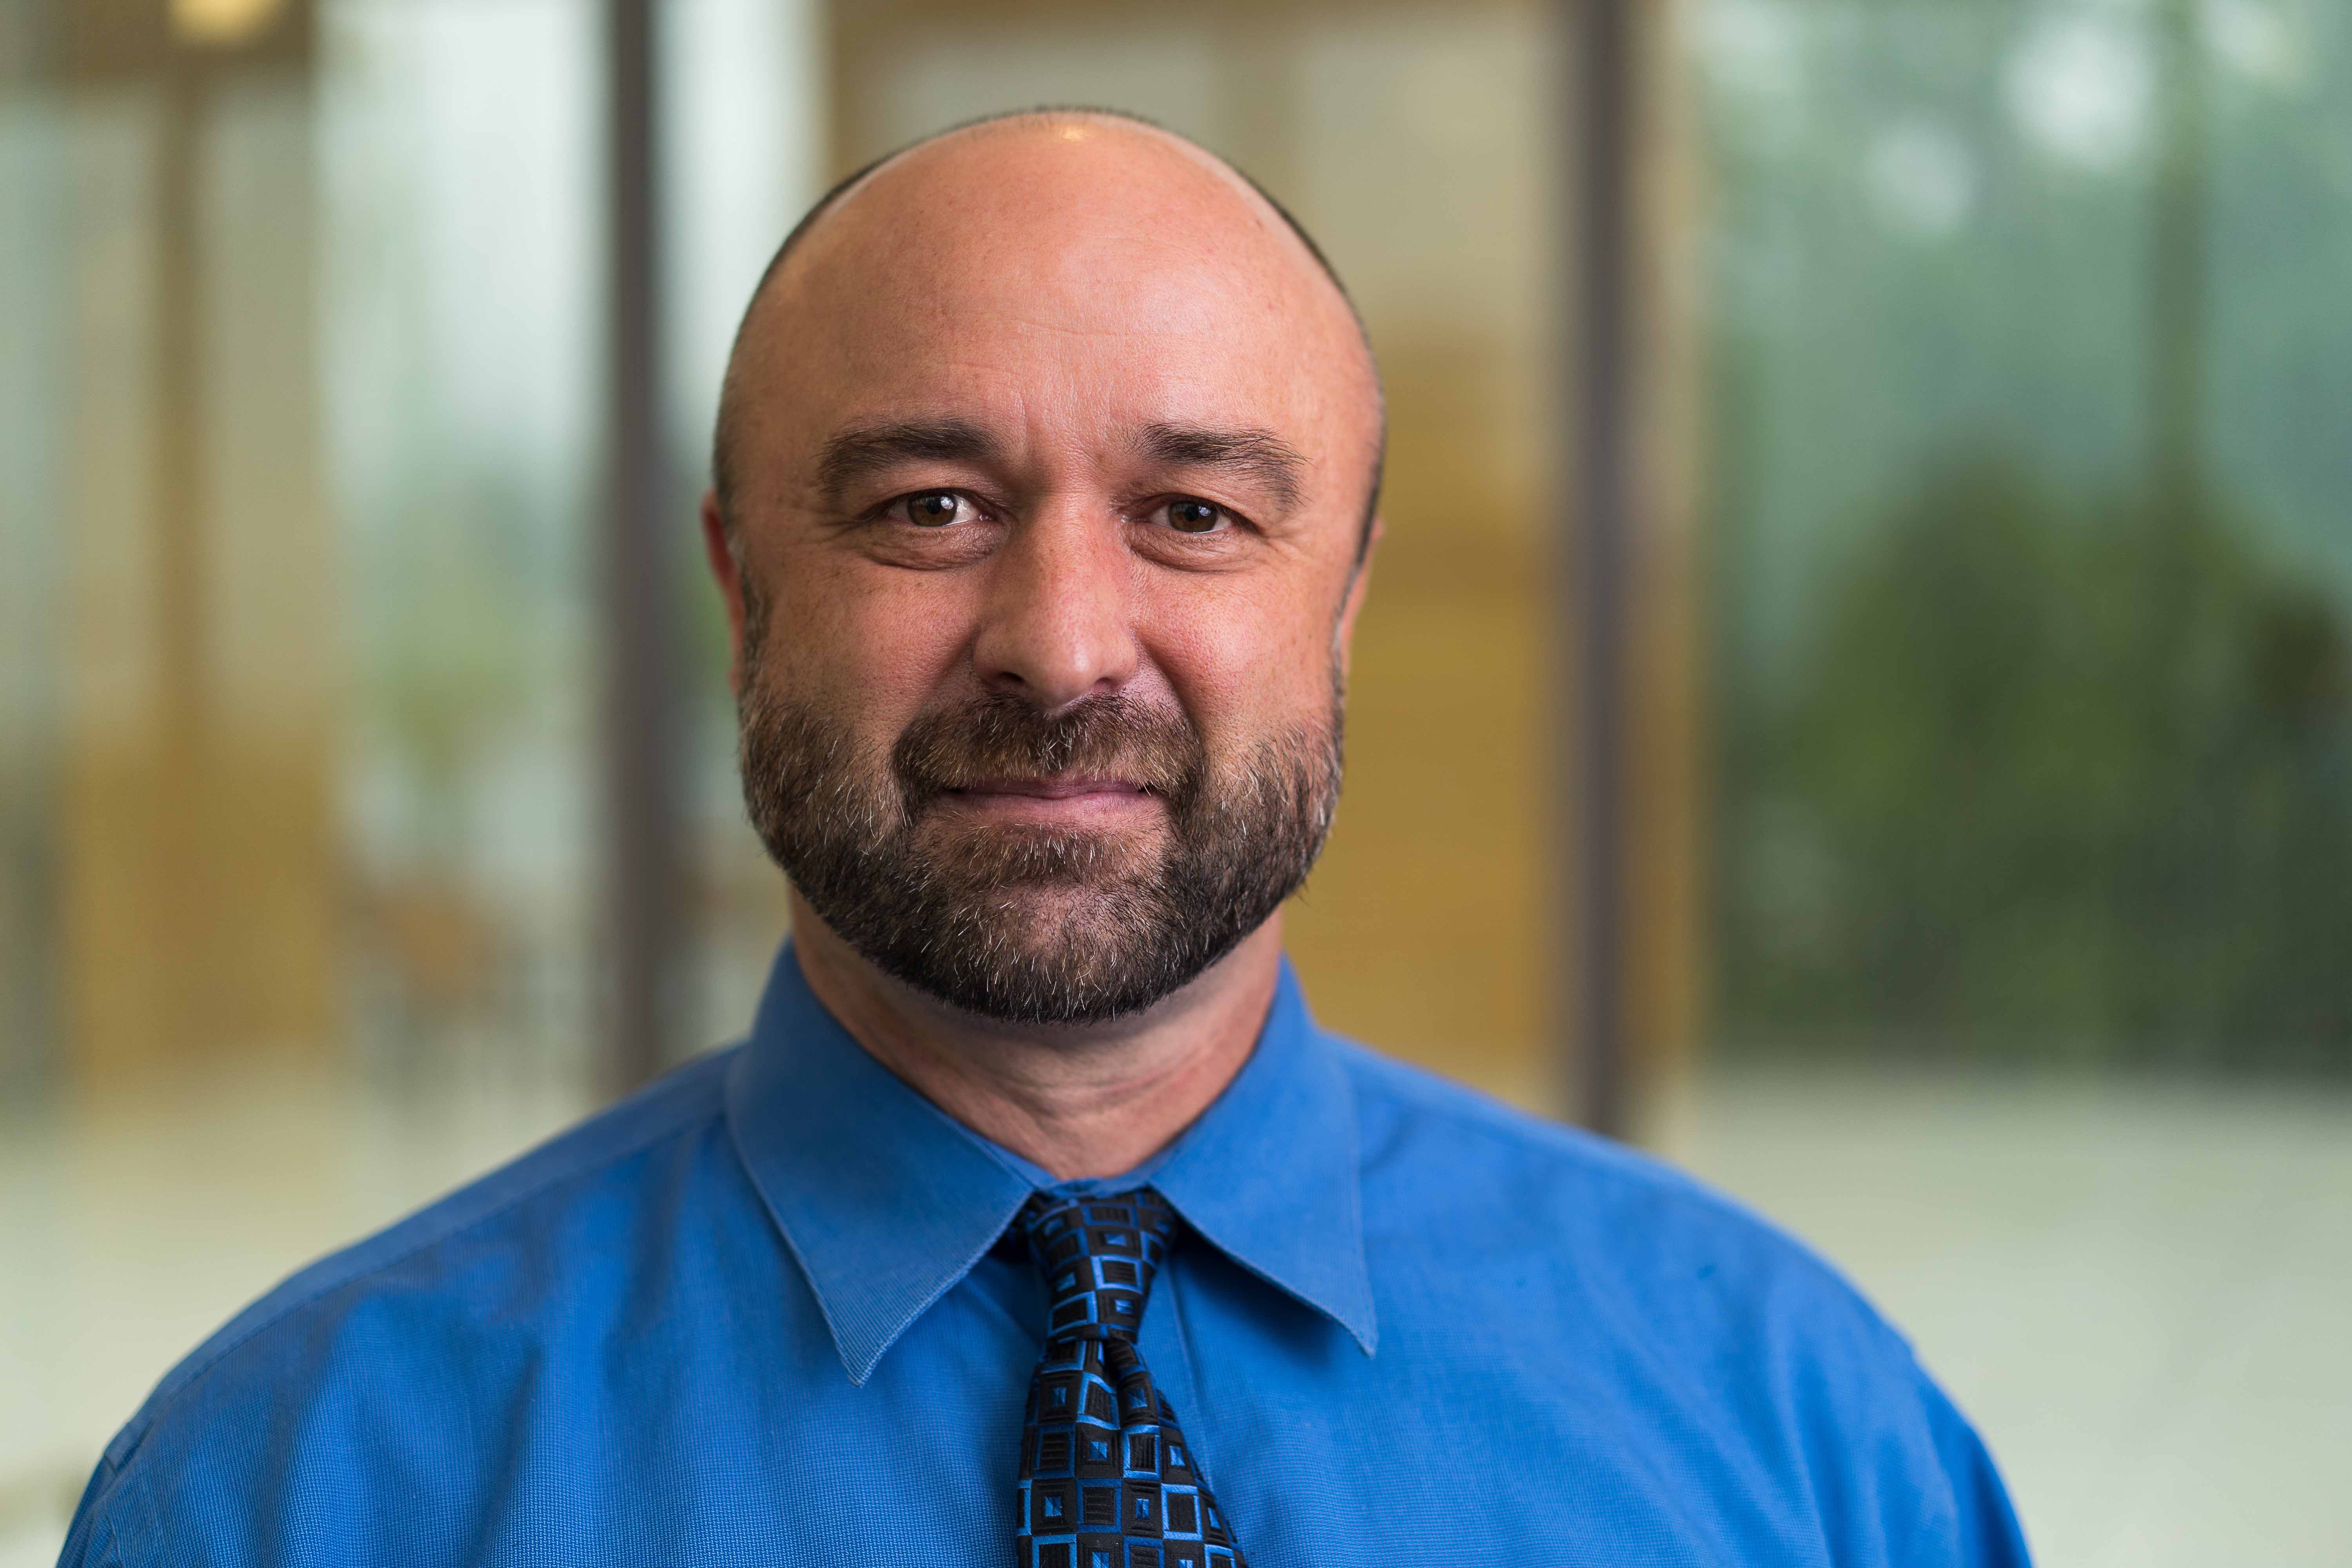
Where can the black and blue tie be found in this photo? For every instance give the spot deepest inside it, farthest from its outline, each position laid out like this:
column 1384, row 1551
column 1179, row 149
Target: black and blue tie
column 1107, row 1479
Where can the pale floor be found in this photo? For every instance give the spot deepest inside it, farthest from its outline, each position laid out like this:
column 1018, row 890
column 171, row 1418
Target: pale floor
column 2141, row 1294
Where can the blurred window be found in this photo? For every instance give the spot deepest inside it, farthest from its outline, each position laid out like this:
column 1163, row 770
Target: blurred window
column 2031, row 542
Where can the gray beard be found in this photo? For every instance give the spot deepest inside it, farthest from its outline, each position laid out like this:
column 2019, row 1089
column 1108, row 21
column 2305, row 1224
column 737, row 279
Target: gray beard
column 1027, row 925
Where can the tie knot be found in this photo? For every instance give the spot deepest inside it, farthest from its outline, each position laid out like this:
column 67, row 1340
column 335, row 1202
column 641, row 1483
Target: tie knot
column 1099, row 1256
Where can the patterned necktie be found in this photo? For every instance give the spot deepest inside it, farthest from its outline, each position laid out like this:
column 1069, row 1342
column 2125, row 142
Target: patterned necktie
column 1106, row 1481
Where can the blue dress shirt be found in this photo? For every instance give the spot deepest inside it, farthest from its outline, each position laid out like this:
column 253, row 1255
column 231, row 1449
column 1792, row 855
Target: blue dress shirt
column 762, row 1313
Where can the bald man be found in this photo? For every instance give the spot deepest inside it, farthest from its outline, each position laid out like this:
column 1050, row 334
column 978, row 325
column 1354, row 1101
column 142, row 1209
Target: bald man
column 1036, row 1223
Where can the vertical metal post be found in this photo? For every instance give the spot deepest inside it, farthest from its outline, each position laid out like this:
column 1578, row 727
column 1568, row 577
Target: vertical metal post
column 643, row 838
column 1600, row 407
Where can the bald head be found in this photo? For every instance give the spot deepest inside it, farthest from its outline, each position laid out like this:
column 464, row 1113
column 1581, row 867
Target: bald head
column 1058, row 177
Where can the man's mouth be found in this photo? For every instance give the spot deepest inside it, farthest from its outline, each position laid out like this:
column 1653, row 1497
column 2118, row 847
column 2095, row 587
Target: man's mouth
column 1062, row 788
column 1066, row 801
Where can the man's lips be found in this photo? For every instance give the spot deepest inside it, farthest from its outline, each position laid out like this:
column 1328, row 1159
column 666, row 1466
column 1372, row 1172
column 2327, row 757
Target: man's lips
column 1050, row 789
column 1069, row 801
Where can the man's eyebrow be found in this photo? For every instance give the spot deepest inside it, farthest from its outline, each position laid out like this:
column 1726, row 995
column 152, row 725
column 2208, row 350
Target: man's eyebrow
column 864, row 450
column 1261, row 455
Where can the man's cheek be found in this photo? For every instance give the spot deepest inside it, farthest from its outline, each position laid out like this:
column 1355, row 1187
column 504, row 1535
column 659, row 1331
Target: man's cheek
column 911, row 641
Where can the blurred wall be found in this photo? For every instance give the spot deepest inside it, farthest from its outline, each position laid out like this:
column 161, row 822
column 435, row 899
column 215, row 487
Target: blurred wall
column 194, row 876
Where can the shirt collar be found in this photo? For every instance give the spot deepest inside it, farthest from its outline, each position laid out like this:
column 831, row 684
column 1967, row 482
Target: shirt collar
column 888, row 1202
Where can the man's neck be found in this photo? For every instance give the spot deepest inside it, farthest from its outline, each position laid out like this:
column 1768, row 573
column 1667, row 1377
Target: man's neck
column 1091, row 1100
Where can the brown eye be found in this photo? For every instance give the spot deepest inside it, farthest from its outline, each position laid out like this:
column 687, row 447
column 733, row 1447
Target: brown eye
column 1194, row 516
column 934, row 509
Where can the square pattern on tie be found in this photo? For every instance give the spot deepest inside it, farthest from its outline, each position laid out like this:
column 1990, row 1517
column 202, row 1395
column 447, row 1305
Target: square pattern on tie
column 1106, row 1481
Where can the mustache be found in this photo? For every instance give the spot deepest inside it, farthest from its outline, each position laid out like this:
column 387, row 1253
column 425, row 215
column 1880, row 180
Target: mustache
column 1000, row 737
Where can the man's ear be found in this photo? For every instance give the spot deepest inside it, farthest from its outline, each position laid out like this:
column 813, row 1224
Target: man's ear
column 727, row 570
column 1359, row 580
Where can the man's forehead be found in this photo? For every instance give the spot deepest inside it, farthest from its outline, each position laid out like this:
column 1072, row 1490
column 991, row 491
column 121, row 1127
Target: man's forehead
column 1094, row 292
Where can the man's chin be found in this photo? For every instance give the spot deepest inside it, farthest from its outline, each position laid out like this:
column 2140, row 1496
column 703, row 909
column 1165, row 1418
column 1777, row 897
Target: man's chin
column 1039, row 957
column 1012, row 860
column 1052, row 913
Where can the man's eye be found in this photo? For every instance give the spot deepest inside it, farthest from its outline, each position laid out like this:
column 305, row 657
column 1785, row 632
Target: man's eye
column 936, row 508
column 1195, row 516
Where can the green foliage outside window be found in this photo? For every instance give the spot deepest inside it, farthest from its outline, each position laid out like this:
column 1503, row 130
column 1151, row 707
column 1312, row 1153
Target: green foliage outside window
column 2031, row 493
column 2051, row 784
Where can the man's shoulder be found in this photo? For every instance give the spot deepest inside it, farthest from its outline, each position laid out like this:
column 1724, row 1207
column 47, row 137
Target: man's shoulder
column 1650, row 1294
column 1450, row 1165
column 489, row 1263
column 1410, row 1116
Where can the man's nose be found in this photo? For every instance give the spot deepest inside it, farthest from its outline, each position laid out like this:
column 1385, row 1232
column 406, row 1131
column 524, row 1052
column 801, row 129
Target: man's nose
column 1056, row 625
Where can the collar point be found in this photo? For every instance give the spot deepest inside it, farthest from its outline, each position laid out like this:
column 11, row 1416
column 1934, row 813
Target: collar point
column 858, row 1361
